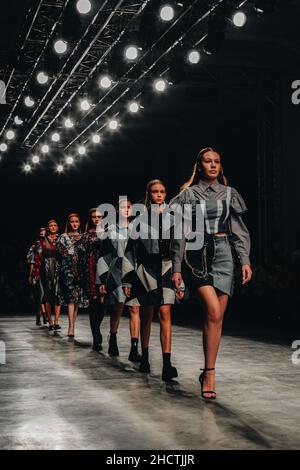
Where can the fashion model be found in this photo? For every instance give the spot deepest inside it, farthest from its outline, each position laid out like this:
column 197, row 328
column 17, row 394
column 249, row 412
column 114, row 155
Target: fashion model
column 211, row 268
column 34, row 261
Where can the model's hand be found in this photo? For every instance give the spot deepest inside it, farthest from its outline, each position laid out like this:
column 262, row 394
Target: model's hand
column 102, row 289
column 127, row 291
column 179, row 294
column 177, row 280
column 247, row 273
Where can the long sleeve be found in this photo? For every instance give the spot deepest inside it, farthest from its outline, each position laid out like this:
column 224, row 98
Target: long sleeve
column 240, row 234
column 31, row 255
column 104, row 261
column 64, row 246
column 129, row 263
column 178, row 240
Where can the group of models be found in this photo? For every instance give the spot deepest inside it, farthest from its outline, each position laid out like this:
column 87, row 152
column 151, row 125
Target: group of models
column 109, row 269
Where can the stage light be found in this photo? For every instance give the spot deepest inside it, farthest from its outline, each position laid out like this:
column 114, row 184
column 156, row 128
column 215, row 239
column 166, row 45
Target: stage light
column 160, row 85
column 10, row 135
column 194, row 57
column 239, row 19
column 55, row 137
column 96, row 139
column 131, row 52
column 45, row 148
column 105, row 82
column 69, row 123
column 59, row 168
column 84, row 6
column 29, row 102
column 85, row 105
column 60, row 46
column 3, row 147
column 27, row 168
column 167, row 13
column 70, row 160
column 82, row 150
column 42, row 78
column 18, row 121
column 113, row 124
column 133, row 107
column 35, row 159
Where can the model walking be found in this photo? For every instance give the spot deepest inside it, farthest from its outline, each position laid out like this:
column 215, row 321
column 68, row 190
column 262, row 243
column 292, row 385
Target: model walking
column 211, row 268
column 109, row 279
column 147, row 275
column 34, row 261
column 89, row 251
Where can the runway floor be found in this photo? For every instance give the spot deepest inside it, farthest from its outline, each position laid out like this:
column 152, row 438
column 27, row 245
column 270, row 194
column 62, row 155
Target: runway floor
column 59, row 394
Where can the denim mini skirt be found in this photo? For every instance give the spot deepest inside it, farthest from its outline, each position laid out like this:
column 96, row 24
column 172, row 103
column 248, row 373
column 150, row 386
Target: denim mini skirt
column 213, row 265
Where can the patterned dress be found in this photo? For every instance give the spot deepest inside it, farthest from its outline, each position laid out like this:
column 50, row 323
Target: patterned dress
column 46, row 263
column 70, row 290
column 89, row 251
column 109, row 265
column 147, row 267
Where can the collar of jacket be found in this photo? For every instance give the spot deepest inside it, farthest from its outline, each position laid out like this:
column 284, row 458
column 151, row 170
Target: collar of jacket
column 205, row 186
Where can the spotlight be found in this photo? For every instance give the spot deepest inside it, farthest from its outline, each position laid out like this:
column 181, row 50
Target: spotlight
column 84, row 6
column 113, row 124
column 60, row 46
column 10, row 135
column 35, row 159
column 55, row 137
column 131, row 52
column 69, row 123
column 263, row 7
column 160, row 85
column 82, row 150
column 105, row 82
column 3, row 147
column 239, row 19
column 18, row 121
column 167, row 13
column 194, row 57
column 96, row 139
column 27, row 168
column 85, row 105
column 29, row 102
column 70, row 160
column 45, row 148
column 59, row 168
column 133, row 107
column 42, row 78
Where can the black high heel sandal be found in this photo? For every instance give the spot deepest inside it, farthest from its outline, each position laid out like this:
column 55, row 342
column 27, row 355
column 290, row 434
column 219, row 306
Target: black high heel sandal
column 204, row 392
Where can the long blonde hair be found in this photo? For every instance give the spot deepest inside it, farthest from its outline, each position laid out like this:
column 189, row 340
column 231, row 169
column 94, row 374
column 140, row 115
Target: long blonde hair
column 197, row 170
column 151, row 183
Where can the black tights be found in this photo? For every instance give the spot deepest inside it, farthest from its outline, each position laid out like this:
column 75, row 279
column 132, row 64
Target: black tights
column 96, row 313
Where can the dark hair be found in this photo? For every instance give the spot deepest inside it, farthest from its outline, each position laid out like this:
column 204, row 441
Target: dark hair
column 149, row 186
column 197, row 169
column 48, row 223
column 89, row 223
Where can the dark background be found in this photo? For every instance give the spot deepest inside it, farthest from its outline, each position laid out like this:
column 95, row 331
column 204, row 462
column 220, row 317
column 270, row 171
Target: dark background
column 238, row 101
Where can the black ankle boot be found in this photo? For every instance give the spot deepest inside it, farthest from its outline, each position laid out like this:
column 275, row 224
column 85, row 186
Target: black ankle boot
column 144, row 367
column 134, row 355
column 113, row 349
column 45, row 321
column 168, row 372
column 38, row 320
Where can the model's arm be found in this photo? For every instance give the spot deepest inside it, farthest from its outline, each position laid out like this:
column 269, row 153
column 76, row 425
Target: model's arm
column 103, row 263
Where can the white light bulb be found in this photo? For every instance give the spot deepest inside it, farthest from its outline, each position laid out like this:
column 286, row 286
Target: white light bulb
column 167, row 13
column 18, row 121
column 160, row 85
column 96, row 139
column 70, row 160
column 45, row 148
column 105, row 82
column 134, row 107
column 42, row 78
column 131, row 53
column 35, row 159
column 194, row 57
column 3, row 147
column 59, row 168
column 55, row 137
column 239, row 19
column 113, row 124
column 10, row 135
column 84, row 6
column 27, row 168
column 85, row 105
column 68, row 123
column 82, row 150
column 60, row 46
column 29, row 102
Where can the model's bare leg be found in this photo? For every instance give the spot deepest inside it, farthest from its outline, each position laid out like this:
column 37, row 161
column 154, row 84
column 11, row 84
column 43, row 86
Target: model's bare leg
column 115, row 317
column 71, row 315
column 134, row 323
column 57, row 309
column 214, row 303
column 146, row 321
column 164, row 316
column 49, row 313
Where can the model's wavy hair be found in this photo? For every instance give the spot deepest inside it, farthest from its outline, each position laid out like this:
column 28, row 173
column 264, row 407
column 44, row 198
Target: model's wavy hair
column 197, row 172
column 48, row 224
column 151, row 183
column 89, row 223
column 68, row 227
